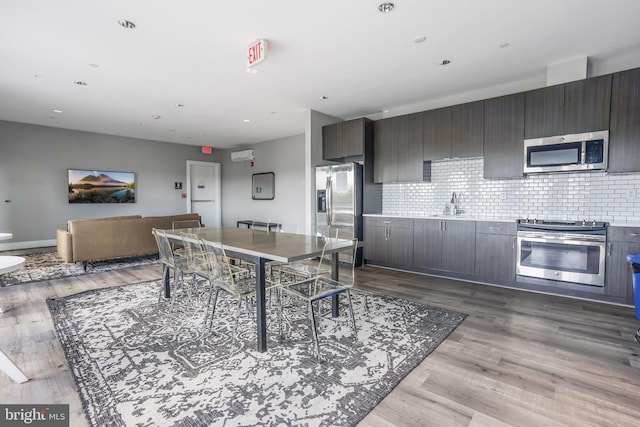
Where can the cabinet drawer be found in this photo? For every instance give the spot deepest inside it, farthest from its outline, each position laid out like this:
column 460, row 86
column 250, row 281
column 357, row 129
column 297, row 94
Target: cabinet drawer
column 377, row 221
column 489, row 227
column 624, row 234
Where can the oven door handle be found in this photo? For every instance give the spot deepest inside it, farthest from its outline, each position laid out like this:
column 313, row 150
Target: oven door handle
column 556, row 237
column 573, row 240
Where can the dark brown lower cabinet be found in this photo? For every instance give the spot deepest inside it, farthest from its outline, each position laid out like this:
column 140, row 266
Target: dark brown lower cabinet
column 621, row 241
column 447, row 245
column 388, row 240
column 495, row 251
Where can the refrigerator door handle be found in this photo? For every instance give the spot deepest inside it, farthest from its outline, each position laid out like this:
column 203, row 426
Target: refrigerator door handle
column 329, row 202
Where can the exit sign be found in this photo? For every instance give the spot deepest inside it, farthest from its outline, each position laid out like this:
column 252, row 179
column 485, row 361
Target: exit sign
column 257, row 53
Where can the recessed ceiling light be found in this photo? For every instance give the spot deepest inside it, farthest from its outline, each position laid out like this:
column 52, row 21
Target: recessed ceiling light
column 503, row 45
column 324, row 97
column 251, row 70
column 179, row 105
column 140, row 124
column 156, row 117
column 57, row 111
column 246, row 120
column 80, row 83
column 444, row 62
column 386, row 7
column 420, row 39
column 126, row 24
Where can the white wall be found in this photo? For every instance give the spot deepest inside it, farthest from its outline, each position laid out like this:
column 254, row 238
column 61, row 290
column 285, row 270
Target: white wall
column 284, row 157
column 33, row 176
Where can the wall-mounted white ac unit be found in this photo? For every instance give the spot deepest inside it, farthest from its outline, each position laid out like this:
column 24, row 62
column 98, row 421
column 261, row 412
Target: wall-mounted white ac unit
column 241, row 156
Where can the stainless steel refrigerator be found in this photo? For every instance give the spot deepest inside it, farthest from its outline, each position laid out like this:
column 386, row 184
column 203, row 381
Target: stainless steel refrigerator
column 339, row 201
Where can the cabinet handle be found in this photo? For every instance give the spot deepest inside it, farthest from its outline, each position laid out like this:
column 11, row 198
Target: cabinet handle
column 514, row 242
column 444, row 225
column 388, row 233
column 633, row 234
column 609, row 249
column 386, row 222
column 492, row 228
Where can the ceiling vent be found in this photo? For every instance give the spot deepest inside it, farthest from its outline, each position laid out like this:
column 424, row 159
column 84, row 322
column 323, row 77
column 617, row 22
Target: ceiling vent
column 241, row 156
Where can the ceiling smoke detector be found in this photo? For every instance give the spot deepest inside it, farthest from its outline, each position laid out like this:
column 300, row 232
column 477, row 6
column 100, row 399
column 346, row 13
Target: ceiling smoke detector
column 386, row 7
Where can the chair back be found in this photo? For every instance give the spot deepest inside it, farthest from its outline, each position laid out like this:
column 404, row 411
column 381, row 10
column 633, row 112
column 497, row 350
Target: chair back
column 326, row 258
column 196, row 256
column 219, row 264
column 164, row 247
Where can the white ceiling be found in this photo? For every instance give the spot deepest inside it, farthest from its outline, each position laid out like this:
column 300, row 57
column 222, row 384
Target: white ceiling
column 193, row 52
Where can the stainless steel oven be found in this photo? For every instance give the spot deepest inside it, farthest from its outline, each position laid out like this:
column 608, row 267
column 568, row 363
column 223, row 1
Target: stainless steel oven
column 563, row 251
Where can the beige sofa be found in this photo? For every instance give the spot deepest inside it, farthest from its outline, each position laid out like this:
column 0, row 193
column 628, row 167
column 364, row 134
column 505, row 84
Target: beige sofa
column 115, row 237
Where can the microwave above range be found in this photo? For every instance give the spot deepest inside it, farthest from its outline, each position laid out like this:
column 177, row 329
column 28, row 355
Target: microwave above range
column 574, row 152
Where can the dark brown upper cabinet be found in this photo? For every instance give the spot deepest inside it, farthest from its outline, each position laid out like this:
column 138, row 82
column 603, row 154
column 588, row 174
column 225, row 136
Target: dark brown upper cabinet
column 544, row 112
column 437, row 133
column 587, row 104
column 467, row 136
column 344, row 139
column 454, row 131
column 624, row 130
column 504, row 136
column 575, row 107
column 398, row 149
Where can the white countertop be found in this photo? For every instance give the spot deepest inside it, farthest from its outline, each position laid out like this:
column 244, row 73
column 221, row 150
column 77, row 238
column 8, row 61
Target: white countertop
column 461, row 217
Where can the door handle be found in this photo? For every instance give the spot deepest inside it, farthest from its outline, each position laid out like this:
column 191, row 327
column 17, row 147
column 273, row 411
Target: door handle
column 329, row 202
column 609, row 249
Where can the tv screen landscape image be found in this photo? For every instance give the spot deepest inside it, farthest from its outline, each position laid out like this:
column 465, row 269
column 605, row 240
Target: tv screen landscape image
column 91, row 186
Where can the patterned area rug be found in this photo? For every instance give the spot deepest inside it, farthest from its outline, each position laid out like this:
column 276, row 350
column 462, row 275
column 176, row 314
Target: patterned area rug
column 140, row 362
column 48, row 266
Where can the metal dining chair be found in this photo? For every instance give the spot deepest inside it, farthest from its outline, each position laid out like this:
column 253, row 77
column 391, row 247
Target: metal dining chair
column 234, row 280
column 171, row 261
column 317, row 288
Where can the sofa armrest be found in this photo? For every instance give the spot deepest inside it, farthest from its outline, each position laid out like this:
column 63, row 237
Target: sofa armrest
column 65, row 249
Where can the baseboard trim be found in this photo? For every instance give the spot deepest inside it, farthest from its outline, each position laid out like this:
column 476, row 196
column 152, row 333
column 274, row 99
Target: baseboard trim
column 27, row 245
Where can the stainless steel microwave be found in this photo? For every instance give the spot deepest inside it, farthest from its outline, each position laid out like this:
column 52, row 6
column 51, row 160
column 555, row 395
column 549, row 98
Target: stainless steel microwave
column 575, row 152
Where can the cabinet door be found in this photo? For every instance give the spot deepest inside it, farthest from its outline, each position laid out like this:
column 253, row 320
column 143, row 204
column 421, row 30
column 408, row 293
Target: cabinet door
column 375, row 242
column 400, row 246
column 332, row 141
column 410, row 147
column 544, row 112
column 587, row 104
column 459, row 246
column 385, row 161
column 504, row 136
column 495, row 257
column 467, row 135
column 353, row 138
column 437, row 133
column 427, row 243
column 624, row 131
column 619, row 277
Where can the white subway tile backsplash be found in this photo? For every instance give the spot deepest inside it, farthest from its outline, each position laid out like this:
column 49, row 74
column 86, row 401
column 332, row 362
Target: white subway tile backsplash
column 571, row 196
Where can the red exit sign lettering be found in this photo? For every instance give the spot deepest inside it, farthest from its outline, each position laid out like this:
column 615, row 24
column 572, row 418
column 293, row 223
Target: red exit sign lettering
column 257, row 53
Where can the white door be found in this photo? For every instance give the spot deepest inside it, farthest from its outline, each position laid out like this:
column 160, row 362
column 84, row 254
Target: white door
column 203, row 191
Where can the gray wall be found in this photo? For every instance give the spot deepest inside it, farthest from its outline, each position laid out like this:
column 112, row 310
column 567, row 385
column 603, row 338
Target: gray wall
column 33, row 175
column 284, row 157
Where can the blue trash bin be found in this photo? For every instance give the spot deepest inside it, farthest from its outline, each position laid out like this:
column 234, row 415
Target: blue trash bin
column 634, row 260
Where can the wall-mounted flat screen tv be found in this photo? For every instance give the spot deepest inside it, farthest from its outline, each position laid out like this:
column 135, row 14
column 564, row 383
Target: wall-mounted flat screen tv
column 96, row 186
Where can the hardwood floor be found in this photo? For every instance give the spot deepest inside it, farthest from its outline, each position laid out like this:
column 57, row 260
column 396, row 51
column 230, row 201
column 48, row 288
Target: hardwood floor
column 518, row 359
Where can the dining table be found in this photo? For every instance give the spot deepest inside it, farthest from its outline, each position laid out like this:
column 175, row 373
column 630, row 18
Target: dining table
column 260, row 247
column 10, row 263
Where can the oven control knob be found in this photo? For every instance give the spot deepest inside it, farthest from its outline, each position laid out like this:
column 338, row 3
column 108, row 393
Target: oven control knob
column 556, row 273
column 593, row 223
column 584, row 222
